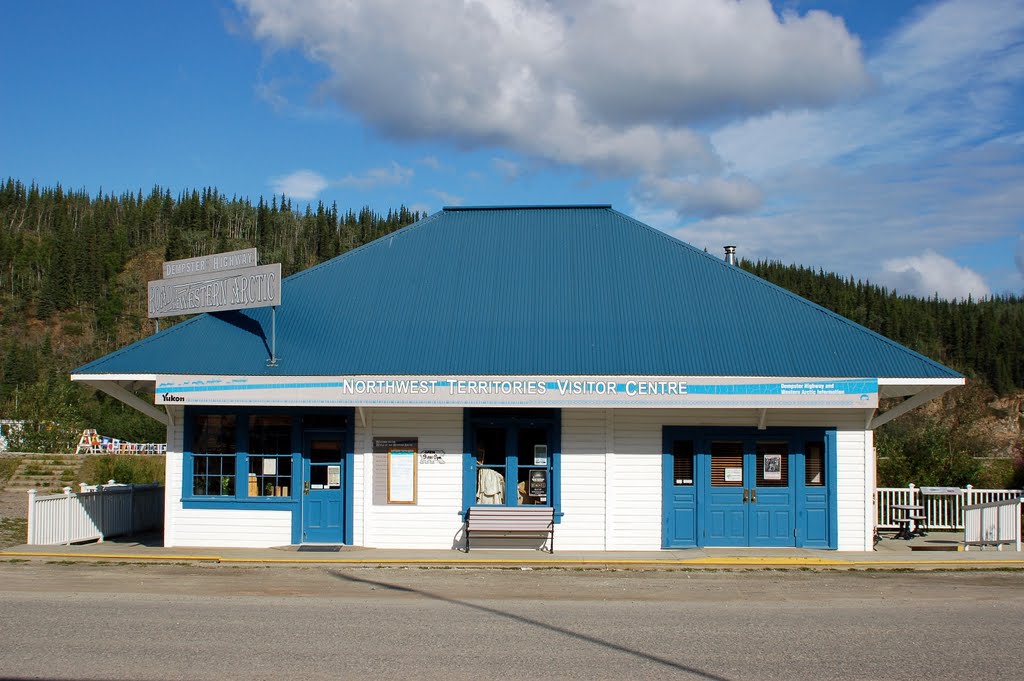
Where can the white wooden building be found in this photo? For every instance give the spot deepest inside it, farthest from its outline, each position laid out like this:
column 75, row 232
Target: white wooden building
column 652, row 395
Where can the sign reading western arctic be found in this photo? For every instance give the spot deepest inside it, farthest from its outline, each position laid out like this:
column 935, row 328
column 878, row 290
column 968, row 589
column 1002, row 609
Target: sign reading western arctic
column 551, row 391
column 213, row 283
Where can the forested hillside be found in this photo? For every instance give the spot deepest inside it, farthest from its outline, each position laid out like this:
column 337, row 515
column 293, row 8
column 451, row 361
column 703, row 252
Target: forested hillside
column 73, row 273
column 74, row 267
column 982, row 339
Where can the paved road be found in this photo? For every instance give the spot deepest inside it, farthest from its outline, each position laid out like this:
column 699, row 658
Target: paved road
column 216, row 622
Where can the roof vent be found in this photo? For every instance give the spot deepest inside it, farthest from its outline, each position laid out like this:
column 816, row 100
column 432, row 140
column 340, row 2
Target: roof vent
column 730, row 255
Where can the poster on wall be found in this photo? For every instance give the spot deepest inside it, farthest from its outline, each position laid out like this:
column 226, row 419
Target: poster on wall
column 402, row 476
column 734, row 474
column 773, row 467
column 333, row 477
column 538, row 484
column 540, row 455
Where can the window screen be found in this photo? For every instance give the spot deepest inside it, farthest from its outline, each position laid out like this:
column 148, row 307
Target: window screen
column 727, row 464
column 814, row 464
column 682, row 462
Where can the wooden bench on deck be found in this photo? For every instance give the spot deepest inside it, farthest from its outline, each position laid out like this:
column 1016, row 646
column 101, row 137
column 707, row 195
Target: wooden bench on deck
column 511, row 521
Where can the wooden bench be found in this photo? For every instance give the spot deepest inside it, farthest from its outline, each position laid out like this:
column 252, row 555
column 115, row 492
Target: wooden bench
column 511, row 521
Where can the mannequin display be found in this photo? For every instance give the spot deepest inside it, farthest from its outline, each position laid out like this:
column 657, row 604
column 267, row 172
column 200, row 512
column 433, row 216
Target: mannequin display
column 490, row 485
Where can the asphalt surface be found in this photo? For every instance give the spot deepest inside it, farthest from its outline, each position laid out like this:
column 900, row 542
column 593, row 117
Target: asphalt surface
column 159, row 621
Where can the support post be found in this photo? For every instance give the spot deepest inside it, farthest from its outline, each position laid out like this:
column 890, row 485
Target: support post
column 67, row 516
column 30, row 539
column 273, row 337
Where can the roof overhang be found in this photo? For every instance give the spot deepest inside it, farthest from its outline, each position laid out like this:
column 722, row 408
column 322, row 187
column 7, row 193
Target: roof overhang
column 916, row 391
column 124, row 387
column 687, row 392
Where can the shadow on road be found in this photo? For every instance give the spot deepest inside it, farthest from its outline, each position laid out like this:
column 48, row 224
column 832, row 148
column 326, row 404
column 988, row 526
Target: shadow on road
column 531, row 622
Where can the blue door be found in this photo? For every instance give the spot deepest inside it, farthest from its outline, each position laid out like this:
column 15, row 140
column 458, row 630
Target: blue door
column 725, row 495
column 679, row 489
column 323, row 489
column 771, row 507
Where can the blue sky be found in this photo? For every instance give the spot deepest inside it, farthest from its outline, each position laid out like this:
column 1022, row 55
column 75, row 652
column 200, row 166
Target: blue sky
column 883, row 140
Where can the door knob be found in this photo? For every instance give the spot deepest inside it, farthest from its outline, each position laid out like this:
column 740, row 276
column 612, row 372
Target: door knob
column 753, row 496
column 746, row 495
column 305, row 487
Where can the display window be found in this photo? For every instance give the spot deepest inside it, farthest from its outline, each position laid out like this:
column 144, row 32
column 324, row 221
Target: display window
column 511, row 457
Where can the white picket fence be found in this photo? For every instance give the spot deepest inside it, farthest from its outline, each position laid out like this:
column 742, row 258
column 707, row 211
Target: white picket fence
column 945, row 511
column 94, row 514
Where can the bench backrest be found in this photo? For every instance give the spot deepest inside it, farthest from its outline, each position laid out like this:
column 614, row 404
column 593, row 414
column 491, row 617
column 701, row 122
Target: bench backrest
column 512, row 516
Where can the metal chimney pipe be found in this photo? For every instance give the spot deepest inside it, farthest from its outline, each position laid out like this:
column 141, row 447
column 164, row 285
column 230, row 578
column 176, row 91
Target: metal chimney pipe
column 730, row 255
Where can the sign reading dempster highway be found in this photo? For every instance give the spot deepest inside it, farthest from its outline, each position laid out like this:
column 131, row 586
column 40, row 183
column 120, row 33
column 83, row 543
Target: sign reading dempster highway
column 215, row 283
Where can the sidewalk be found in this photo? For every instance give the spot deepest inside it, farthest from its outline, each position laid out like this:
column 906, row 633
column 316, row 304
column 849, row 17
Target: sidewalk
column 890, row 554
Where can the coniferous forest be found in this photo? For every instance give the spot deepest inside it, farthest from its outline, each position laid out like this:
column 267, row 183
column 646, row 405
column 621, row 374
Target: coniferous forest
column 74, row 267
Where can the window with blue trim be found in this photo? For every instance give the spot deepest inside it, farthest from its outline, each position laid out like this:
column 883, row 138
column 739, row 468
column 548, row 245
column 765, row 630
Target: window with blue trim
column 512, row 457
column 214, row 443
column 270, row 458
column 239, row 455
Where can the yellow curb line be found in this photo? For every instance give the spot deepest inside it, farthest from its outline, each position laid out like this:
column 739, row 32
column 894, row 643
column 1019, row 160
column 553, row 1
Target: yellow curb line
column 698, row 562
column 108, row 556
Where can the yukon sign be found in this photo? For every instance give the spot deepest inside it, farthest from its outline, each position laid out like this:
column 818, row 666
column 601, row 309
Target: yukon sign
column 216, row 291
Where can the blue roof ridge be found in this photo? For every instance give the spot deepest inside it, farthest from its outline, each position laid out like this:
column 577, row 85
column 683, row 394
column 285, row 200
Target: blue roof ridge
column 858, row 327
column 399, row 233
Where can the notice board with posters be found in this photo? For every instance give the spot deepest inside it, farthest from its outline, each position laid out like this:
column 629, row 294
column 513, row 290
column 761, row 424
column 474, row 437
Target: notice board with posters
column 402, row 464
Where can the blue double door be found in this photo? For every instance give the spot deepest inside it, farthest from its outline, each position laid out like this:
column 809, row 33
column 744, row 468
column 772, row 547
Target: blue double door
column 736, row 488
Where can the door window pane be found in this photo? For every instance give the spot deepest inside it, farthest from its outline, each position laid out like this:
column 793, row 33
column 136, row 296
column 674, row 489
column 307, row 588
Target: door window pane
column 772, row 464
column 682, row 462
column 727, row 464
column 814, row 464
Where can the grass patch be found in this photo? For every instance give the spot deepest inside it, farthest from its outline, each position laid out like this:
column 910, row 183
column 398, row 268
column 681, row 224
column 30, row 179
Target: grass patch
column 140, row 470
column 13, row 532
column 7, row 468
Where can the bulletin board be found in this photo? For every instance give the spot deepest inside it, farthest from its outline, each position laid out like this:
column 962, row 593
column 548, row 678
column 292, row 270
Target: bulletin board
column 402, row 472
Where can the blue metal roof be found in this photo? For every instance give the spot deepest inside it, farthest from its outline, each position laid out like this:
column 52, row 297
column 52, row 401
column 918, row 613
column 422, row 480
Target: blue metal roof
column 575, row 290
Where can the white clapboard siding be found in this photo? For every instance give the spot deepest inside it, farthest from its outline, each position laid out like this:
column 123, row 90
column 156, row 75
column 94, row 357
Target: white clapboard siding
column 583, row 481
column 434, row 521
column 851, row 472
column 213, row 528
column 172, row 472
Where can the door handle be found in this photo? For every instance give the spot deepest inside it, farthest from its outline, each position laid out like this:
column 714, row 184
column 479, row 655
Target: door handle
column 753, row 496
column 746, row 495
column 305, row 487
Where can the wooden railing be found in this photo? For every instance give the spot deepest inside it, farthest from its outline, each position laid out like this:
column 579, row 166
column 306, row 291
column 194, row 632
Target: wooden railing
column 943, row 506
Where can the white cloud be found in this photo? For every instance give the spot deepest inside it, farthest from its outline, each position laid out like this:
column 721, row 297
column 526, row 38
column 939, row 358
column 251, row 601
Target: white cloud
column 931, row 274
column 378, row 177
column 610, row 85
column 304, row 185
column 448, row 199
column 510, row 170
column 700, row 198
column 931, row 159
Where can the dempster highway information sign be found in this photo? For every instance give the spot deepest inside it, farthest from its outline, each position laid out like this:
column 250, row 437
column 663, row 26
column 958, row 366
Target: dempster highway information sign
column 215, row 283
